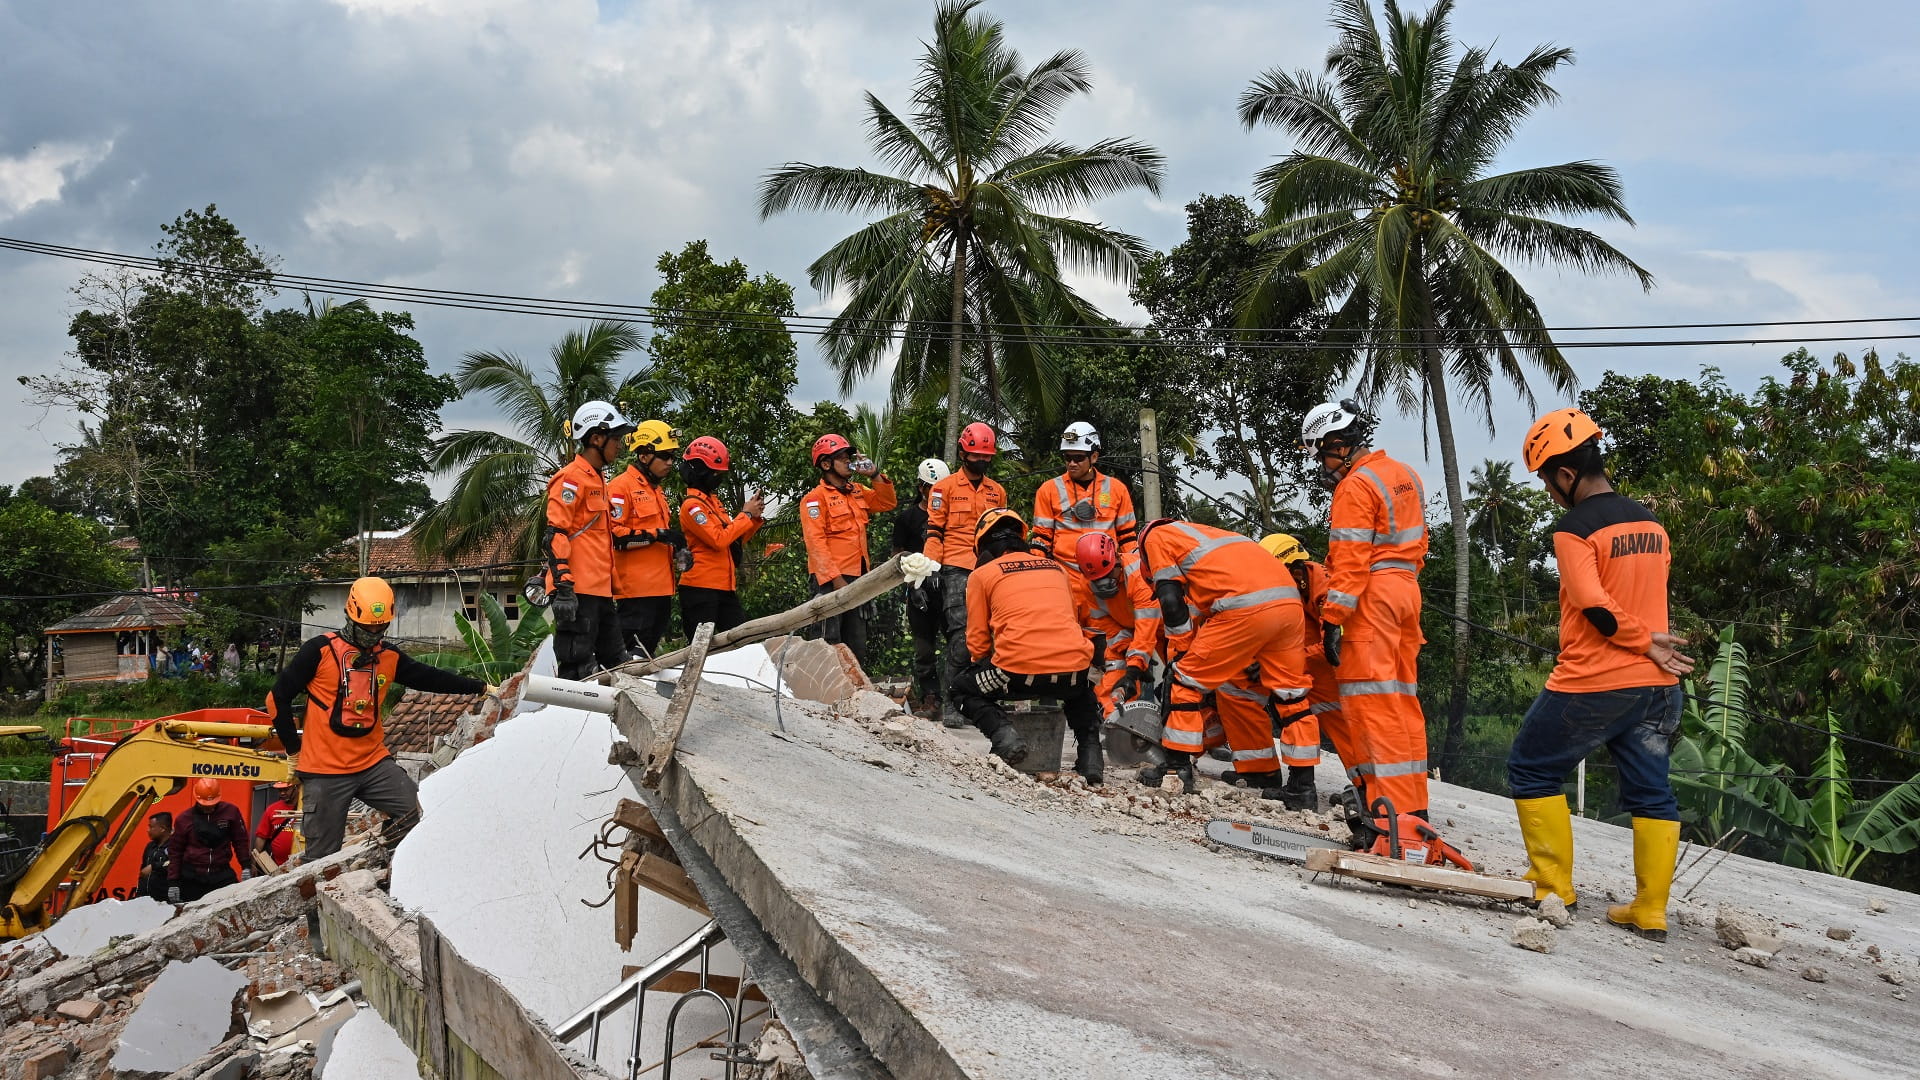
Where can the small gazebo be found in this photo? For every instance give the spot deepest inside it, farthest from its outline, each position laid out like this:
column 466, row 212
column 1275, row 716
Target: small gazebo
column 113, row 642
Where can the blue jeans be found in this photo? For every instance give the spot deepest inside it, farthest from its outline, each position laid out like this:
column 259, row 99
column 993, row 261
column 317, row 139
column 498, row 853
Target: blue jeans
column 1636, row 726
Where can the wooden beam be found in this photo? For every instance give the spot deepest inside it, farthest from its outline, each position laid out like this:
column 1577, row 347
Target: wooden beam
column 659, row 751
column 1416, row 875
column 437, row 1053
column 679, row 982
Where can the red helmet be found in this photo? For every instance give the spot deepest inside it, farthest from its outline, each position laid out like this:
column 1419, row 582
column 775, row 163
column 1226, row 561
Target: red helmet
column 1097, row 554
column 709, row 451
column 828, row 445
column 977, row 438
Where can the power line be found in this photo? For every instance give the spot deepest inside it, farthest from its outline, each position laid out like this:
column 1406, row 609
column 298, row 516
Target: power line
column 1027, row 333
column 170, row 592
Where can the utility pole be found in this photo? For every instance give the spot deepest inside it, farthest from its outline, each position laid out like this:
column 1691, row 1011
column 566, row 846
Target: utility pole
column 1149, row 465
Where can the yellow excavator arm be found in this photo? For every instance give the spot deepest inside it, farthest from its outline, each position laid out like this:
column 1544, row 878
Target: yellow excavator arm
column 140, row 771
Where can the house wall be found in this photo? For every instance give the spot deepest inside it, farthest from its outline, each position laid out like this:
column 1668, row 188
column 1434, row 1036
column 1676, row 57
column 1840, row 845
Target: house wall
column 89, row 656
column 424, row 608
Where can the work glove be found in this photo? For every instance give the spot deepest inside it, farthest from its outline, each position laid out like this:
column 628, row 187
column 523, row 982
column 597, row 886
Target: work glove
column 564, row 605
column 1330, row 645
column 991, row 680
column 671, row 536
column 173, row 894
column 918, row 569
column 1129, row 685
column 682, row 560
column 245, row 873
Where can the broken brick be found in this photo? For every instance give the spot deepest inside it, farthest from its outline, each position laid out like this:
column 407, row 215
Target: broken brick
column 81, row 1009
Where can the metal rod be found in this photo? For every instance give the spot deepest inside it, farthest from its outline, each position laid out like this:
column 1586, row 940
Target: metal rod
column 1580, row 787
column 666, row 1068
column 671, row 960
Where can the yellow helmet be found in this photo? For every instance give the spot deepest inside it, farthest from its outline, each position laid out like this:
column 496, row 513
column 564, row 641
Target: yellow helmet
column 370, row 602
column 1285, row 548
column 652, row 436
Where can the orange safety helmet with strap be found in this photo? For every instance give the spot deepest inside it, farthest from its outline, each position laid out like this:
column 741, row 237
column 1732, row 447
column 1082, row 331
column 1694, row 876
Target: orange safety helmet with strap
column 828, row 445
column 1556, row 433
column 206, row 791
column 710, row 452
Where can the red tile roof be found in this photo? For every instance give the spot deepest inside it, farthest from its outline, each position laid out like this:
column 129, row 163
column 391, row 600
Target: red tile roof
column 396, row 556
column 417, row 719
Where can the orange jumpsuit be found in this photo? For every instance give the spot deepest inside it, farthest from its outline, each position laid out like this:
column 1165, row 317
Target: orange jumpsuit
column 1243, row 611
column 1056, row 523
column 711, row 533
column 1323, row 701
column 1130, row 622
column 1020, row 617
column 954, row 505
column 580, row 534
column 640, row 508
column 1375, row 549
column 834, row 525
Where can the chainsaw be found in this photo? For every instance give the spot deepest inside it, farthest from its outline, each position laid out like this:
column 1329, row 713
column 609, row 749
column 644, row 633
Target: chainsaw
column 1388, row 834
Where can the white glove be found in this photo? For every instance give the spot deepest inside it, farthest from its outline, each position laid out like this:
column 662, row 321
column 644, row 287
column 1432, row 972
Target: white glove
column 917, row 568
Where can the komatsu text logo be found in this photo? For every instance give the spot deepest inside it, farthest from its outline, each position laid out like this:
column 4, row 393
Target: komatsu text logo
column 207, row 769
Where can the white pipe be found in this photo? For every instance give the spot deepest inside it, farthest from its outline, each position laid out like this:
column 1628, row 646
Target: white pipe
column 592, row 697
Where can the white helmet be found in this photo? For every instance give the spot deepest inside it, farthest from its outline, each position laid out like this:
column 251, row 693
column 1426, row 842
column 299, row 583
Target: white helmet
column 592, row 415
column 932, row 471
column 1080, row 436
column 1332, row 417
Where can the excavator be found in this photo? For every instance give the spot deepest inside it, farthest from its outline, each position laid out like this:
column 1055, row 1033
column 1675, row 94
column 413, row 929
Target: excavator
column 143, row 768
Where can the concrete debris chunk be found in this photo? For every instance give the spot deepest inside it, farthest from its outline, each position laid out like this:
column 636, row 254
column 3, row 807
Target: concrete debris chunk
column 46, row 1064
column 1738, row 929
column 1873, row 953
column 1814, row 974
column 190, row 1008
column 1554, row 910
column 80, row 1009
column 1877, row 907
column 94, row 926
column 1893, row 977
column 1747, row 954
column 1534, row 935
column 1839, row 933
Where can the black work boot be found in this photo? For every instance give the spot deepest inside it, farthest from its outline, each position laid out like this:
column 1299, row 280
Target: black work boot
column 1300, row 792
column 1007, row 745
column 1089, row 760
column 1179, row 763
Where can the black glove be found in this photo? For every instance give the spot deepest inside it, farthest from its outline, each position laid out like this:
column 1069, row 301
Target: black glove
column 1129, row 685
column 173, row 894
column 1330, row 645
column 564, row 605
column 671, row 536
column 682, row 560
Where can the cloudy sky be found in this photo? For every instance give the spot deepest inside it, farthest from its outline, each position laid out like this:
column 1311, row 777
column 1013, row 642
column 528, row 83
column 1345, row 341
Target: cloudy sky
column 557, row 147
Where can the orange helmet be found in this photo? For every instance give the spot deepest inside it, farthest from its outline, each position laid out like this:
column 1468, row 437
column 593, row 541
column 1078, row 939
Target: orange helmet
column 828, row 445
column 977, row 438
column 370, row 602
column 709, row 451
column 1556, row 433
column 1097, row 554
column 996, row 516
column 206, row 791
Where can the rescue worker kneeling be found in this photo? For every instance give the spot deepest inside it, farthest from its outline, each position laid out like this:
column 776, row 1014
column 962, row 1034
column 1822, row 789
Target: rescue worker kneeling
column 1024, row 642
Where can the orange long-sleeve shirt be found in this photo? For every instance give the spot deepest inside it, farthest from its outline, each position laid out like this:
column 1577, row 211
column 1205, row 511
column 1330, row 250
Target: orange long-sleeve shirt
column 1020, row 614
column 580, row 535
column 1379, row 523
column 954, row 506
column 834, row 525
column 1055, row 524
column 711, row 533
column 639, row 508
column 1130, row 620
column 1614, row 557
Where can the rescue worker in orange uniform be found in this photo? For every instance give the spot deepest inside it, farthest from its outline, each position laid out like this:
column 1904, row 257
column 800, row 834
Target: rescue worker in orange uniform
column 954, row 506
column 644, row 537
column 833, row 522
column 1371, row 617
column 1300, row 731
column 1615, row 682
column 1023, row 642
column 1081, row 501
column 339, row 744
column 578, row 543
column 1232, row 618
column 710, row 587
column 1116, row 606
column 924, row 609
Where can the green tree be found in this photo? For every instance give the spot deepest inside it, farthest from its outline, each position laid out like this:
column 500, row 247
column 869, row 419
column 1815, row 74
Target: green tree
column 43, row 554
column 1388, row 207
column 973, row 234
column 1507, row 519
column 500, row 479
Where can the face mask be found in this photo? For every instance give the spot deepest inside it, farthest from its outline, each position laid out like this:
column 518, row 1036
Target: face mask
column 975, row 468
column 363, row 637
column 1106, row 587
column 1081, row 511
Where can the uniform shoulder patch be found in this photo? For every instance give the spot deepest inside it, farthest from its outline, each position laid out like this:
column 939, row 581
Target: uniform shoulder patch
column 813, row 509
column 934, row 501
column 700, row 516
column 568, row 493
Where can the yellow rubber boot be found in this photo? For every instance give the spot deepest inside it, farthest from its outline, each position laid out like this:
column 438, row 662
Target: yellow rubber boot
column 1656, row 847
column 1546, row 825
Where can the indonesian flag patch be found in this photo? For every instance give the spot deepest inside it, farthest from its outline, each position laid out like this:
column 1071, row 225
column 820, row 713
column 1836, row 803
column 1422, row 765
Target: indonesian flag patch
column 569, row 491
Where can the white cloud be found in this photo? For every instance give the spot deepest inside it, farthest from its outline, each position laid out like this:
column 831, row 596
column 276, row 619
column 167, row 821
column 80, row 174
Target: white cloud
column 40, row 174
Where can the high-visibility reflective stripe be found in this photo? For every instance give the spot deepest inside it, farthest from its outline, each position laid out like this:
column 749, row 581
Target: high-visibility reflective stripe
column 1182, row 628
column 1342, row 599
column 1168, row 573
column 1361, row 689
column 1365, row 768
column 1300, row 749
column 1353, row 774
column 1287, row 695
column 1215, row 731
column 1404, row 536
column 1125, row 521
column 1386, row 494
column 1325, row 707
column 1256, row 598
column 1357, row 536
column 1255, row 755
column 1141, row 654
column 1119, row 637
column 1045, row 523
column 1146, row 612
column 1404, row 768
column 1395, row 564
column 1183, row 740
column 1186, row 680
column 1244, row 695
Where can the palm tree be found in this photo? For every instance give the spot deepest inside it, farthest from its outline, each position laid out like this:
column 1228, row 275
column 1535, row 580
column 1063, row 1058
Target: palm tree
column 1500, row 515
column 971, row 238
column 1387, row 209
column 501, row 479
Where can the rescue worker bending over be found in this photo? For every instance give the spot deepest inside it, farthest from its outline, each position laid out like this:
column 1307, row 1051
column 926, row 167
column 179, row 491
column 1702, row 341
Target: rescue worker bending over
column 833, row 521
column 710, row 586
column 1615, row 683
column 644, row 537
column 923, row 602
column 954, row 506
column 579, row 548
column 1081, row 502
column 1371, row 617
column 1116, row 606
column 1023, row 642
column 1300, row 728
column 340, row 745
column 1238, row 612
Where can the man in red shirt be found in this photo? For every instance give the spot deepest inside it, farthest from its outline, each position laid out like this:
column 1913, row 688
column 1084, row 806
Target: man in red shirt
column 274, row 833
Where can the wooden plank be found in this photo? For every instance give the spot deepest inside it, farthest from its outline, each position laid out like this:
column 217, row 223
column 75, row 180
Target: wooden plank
column 264, row 862
column 669, row 880
column 626, row 901
column 679, row 982
column 436, row 1021
column 1418, row 875
column 659, row 752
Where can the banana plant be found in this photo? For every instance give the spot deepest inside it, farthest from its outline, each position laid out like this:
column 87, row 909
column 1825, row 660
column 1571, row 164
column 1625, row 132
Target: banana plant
column 499, row 652
column 1843, row 831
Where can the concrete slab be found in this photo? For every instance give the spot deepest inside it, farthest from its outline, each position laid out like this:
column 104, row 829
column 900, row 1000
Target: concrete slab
column 94, row 926
column 185, row 1012
column 367, row 1049
column 973, row 923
